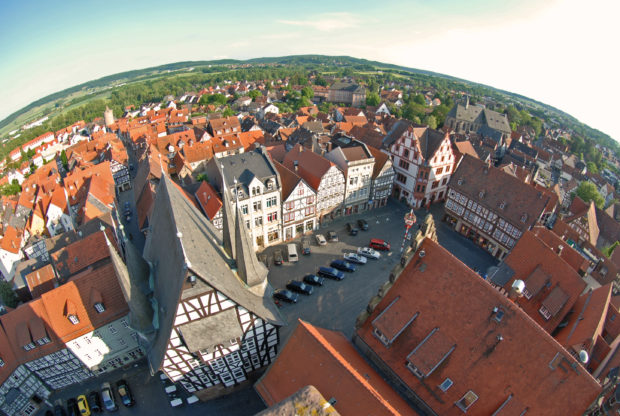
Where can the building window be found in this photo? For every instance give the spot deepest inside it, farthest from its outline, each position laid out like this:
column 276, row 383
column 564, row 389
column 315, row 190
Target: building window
column 247, row 224
column 300, row 191
column 438, row 171
column 309, row 211
column 289, row 205
column 258, row 221
column 435, row 184
column 447, row 383
column 29, row 346
column 403, row 164
column 255, row 191
column 384, row 340
column 124, row 323
column 257, row 206
column 73, row 319
column 270, row 185
column 272, row 217
column 272, row 202
column 310, row 200
column 244, row 209
column 545, row 313
column 467, row 400
column 289, row 217
column 406, row 153
column 99, row 307
column 401, row 178
column 272, row 236
column 112, row 329
column 44, row 340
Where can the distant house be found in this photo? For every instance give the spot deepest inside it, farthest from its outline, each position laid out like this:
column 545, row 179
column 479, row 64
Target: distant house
column 465, row 118
column 347, row 93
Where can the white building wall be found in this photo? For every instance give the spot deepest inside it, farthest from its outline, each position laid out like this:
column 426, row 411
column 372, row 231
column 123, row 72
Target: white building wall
column 258, row 213
column 330, row 194
column 299, row 211
column 108, row 347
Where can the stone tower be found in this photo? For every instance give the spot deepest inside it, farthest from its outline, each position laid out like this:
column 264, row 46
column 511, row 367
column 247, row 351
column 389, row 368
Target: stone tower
column 108, row 117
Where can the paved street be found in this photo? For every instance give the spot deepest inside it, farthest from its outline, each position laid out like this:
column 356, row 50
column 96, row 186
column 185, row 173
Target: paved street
column 336, row 305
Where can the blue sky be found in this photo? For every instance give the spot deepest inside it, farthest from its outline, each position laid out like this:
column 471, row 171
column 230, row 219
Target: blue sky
column 560, row 52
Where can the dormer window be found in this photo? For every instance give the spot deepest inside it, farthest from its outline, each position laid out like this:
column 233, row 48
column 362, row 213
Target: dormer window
column 467, row 401
column 29, row 346
column 99, row 307
column 73, row 319
column 481, row 194
column 460, row 181
column 44, row 340
column 1, row 362
column 502, row 205
column 523, row 218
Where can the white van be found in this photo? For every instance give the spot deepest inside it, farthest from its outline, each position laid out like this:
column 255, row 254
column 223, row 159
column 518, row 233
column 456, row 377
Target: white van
column 292, row 253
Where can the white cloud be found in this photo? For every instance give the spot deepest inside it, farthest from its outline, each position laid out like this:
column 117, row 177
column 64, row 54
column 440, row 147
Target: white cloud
column 327, row 22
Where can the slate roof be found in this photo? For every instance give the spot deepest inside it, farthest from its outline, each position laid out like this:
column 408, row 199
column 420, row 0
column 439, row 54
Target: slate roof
column 189, row 243
column 452, row 299
column 246, row 166
column 430, row 141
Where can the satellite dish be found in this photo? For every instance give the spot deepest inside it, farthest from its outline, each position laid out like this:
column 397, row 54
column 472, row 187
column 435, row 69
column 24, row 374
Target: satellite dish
column 583, row 356
column 518, row 286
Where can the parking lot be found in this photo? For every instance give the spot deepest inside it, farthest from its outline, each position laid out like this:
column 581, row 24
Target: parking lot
column 335, row 305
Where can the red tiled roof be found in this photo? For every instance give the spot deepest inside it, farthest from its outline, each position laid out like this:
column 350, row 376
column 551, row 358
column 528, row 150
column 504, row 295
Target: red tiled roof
column 328, row 361
column 554, row 283
column 11, row 240
column 209, row 200
column 567, row 253
column 41, row 280
column 495, row 356
column 77, row 256
column 312, row 166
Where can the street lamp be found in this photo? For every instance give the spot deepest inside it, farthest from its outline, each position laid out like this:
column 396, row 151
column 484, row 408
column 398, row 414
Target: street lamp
column 410, row 219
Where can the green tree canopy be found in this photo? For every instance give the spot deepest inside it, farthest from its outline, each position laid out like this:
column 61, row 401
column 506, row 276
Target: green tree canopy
column 430, row 121
column 592, row 168
column 373, row 99
column 10, row 188
column 307, row 92
column 8, row 296
column 215, row 99
column 254, row 94
column 588, row 192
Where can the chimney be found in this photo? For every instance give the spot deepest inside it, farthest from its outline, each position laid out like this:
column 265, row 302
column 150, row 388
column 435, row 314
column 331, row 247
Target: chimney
column 560, row 248
column 296, row 164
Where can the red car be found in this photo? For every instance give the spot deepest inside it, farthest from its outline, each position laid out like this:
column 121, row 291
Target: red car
column 379, row 244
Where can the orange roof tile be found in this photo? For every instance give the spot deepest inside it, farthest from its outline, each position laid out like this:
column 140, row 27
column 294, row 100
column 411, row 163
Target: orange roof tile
column 328, row 361
column 11, row 240
column 495, row 356
column 209, row 200
column 78, row 256
column 41, row 280
column 564, row 250
column 312, row 166
column 551, row 281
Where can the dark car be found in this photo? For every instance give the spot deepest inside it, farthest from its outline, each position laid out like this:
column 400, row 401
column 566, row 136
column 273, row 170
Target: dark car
column 362, row 224
column 299, row 287
column 343, row 265
column 305, row 246
column 286, row 295
column 72, row 408
column 314, row 280
column 125, row 394
column 277, row 257
column 94, row 401
column 59, row 411
column 352, row 229
column 331, row 273
column 108, row 397
column 332, row 236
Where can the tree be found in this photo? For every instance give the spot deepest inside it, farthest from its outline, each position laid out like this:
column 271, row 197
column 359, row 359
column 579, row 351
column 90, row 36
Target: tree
column 254, row 94
column 372, row 99
column 228, row 112
column 202, row 177
column 64, row 160
column 430, row 121
column 419, row 99
column 319, row 80
column 588, row 192
column 8, row 296
column 10, row 188
column 592, row 168
column 307, row 92
column 607, row 251
column 215, row 99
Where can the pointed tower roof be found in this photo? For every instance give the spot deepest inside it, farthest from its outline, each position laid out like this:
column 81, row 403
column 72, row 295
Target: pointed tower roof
column 228, row 222
column 249, row 269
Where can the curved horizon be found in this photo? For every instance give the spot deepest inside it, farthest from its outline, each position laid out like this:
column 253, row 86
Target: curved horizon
column 555, row 53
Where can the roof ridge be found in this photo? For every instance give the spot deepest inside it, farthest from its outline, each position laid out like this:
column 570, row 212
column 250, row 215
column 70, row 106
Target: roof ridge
column 346, row 365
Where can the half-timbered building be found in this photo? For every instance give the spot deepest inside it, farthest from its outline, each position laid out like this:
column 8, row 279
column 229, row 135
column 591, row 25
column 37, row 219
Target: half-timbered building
column 216, row 321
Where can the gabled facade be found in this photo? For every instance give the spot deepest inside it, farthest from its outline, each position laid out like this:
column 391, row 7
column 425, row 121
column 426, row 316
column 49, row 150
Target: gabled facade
column 216, row 324
column 59, row 219
column 10, row 251
column 323, row 176
column 423, row 161
column 582, row 218
column 357, row 163
column 298, row 204
column 382, row 179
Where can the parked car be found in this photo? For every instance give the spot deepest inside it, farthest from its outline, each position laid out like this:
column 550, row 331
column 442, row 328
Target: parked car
column 343, row 265
column 277, row 257
column 368, row 252
column 291, row 250
column 286, row 295
column 314, row 280
column 352, row 229
column 305, row 246
column 332, row 236
column 192, row 399
column 83, row 406
column 379, row 244
column 123, row 391
column 331, row 273
column 363, row 224
column 72, row 408
column 94, row 401
column 320, row 239
column 108, row 398
column 355, row 258
column 299, row 287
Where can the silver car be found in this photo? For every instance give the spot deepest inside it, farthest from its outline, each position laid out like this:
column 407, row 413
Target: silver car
column 355, row 258
column 108, row 398
column 368, row 252
column 320, row 240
